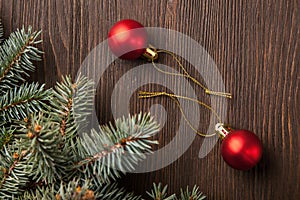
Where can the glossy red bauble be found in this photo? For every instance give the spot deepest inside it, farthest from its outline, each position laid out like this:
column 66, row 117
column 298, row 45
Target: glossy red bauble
column 241, row 149
column 128, row 39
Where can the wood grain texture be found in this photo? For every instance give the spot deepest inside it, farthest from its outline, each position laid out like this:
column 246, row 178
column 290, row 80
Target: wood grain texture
column 255, row 45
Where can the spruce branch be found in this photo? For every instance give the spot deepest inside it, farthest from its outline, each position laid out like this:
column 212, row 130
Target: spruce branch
column 160, row 193
column 40, row 193
column 116, row 149
column 19, row 102
column 16, row 56
column 6, row 136
column 78, row 190
column 14, row 174
column 195, row 194
column 75, row 191
column 39, row 136
column 110, row 191
column 72, row 101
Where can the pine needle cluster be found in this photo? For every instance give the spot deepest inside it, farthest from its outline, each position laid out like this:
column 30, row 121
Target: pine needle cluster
column 44, row 153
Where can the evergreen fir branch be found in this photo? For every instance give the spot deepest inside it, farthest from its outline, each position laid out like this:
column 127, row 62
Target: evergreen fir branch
column 118, row 148
column 78, row 190
column 72, row 101
column 110, row 191
column 14, row 174
column 6, row 136
column 195, row 194
column 75, row 191
column 16, row 56
column 40, row 193
column 82, row 190
column 83, row 102
column 40, row 137
column 19, row 102
column 62, row 103
column 160, row 193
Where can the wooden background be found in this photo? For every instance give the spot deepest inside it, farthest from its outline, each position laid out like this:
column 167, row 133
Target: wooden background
column 255, row 45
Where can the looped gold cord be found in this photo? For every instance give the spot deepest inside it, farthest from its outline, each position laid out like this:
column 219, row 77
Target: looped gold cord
column 187, row 75
column 144, row 94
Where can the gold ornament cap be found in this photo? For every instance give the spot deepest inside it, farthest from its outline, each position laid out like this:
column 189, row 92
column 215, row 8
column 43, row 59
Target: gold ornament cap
column 222, row 130
column 150, row 53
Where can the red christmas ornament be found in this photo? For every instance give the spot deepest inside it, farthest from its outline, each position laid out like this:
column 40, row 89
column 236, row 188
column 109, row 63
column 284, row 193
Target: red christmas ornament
column 128, row 39
column 241, row 149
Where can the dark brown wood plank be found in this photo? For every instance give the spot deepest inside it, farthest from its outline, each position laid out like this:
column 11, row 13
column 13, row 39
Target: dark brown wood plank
column 255, row 45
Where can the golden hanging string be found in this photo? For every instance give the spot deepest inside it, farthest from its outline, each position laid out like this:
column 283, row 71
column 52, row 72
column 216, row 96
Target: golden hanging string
column 145, row 94
column 187, row 75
